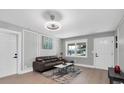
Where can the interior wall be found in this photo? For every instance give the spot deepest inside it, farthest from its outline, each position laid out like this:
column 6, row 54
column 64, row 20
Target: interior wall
column 33, row 47
column 90, row 58
column 55, row 51
column 59, row 45
column 28, row 45
column 10, row 26
column 121, row 45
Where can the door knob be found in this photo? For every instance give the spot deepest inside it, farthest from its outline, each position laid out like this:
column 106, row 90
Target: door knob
column 96, row 55
column 15, row 55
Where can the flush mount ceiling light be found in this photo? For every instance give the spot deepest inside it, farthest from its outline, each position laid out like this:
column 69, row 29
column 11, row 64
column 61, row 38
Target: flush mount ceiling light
column 53, row 25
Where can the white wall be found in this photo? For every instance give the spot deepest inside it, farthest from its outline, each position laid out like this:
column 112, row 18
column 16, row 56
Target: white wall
column 121, row 45
column 48, row 52
column 90, row 57
column 32, row 47
column 41, row 52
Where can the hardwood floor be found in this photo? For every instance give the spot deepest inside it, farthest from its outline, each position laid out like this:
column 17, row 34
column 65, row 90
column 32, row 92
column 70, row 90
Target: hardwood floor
column 87, row 76
column 91, row 76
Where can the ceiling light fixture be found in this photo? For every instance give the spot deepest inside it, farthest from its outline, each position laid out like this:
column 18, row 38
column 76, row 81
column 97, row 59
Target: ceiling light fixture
column 53, row 25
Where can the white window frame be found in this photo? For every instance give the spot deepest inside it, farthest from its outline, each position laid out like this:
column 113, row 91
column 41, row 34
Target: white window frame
column 75, row 42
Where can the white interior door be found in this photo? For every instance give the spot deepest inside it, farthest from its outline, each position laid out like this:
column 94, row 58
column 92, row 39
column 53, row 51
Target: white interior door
column 104, row 52
column 8, row 50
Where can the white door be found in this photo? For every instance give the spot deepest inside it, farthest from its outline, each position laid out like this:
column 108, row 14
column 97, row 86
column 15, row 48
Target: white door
column 8, row 50
column 104, row 52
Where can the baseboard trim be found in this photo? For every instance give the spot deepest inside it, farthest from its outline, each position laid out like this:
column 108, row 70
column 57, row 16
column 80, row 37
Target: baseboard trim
column 2, row 76
column 82, row 65
column 26, row 70
column 89, row 66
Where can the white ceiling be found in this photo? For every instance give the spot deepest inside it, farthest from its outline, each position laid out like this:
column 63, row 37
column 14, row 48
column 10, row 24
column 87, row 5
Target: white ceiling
column 74, row 22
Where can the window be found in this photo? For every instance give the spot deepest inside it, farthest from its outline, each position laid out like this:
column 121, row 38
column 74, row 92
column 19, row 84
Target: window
column 76, row 48
column 81, row 49
column 71, row 49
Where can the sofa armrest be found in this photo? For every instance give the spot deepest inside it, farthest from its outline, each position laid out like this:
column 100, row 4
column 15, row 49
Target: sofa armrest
column 38, row 66
column 64, row 60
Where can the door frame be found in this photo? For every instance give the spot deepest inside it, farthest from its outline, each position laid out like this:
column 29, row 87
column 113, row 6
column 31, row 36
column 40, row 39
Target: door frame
column 19, row 64
column 94, row 52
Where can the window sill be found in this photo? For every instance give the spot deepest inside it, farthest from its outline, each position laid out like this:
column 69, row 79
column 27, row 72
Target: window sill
column 77, row 56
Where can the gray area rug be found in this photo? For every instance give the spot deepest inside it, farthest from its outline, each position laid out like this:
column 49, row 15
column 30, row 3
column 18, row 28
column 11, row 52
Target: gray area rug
column 62, row 78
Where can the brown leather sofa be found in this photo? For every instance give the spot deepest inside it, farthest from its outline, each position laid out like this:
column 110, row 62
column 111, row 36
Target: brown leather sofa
column 47, row 62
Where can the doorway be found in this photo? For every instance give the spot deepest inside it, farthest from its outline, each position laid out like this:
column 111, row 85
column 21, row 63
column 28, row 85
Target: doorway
column 104, row 52
column 9, row 52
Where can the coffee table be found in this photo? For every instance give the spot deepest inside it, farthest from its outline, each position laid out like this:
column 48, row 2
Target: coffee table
column 62, row 68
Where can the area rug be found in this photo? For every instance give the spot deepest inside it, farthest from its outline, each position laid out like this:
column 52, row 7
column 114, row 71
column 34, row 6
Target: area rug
column 62, row 78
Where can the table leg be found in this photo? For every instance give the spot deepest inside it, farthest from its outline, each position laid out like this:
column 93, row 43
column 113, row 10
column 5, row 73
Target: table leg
column 111, row 81
column 53, row 74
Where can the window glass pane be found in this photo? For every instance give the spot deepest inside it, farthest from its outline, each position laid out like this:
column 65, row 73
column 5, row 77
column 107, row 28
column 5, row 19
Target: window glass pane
column 71, row 49
column 81, row 49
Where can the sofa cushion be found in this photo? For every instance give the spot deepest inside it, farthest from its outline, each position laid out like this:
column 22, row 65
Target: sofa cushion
column 39, row 59
column 55, row 59
column 43, row 61
column 50, row 64
column 45, row 58
column 47, row 61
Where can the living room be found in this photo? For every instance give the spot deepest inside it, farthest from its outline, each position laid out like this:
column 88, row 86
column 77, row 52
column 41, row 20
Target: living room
column 60, row 45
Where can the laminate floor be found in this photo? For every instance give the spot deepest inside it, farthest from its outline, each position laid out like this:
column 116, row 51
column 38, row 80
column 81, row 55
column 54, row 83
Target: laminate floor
column 87, row 76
